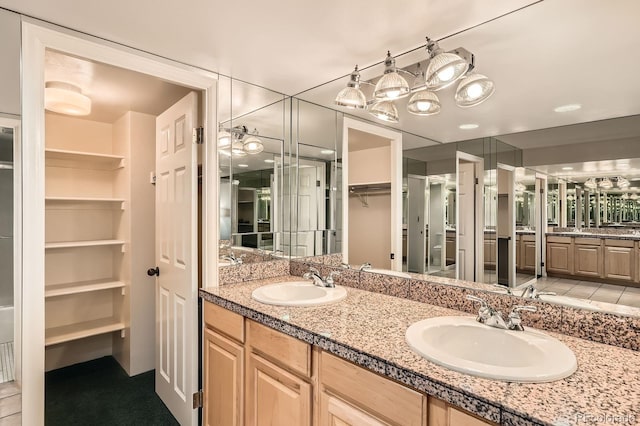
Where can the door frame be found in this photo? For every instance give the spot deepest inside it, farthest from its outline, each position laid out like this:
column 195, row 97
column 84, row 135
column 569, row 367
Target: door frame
column 14, row 123
column 512, row 218
column 396, row 185
column 541, row 224
column 478, row 214
column 425, row 221
column 36, row 37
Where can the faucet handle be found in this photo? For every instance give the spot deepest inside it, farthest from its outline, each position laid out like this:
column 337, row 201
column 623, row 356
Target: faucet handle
column 345, row 265
column 329, row 279
column 477, row 299
column 514, row 322
column 365, row 265
column 485, row 312
column 313, row 270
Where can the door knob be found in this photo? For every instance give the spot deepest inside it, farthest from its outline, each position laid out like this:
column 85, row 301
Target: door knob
column 153, row 271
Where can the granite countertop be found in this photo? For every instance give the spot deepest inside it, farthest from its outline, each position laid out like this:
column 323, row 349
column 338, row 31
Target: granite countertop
column 594, row 235
column 368, row 328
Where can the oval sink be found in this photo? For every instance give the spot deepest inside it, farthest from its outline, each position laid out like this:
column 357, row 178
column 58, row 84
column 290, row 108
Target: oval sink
column 389, row 272
column 463, row 344
column 568, row 301
column 298, row 293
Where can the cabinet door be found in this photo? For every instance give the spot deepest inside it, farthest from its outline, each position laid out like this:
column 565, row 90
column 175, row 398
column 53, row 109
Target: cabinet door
column 618, row 263
column 529, row 255
column 560, row 258
column 588, row 260
column 442, row 414
column 223, row 380
column 275, row 396
column 336, row 412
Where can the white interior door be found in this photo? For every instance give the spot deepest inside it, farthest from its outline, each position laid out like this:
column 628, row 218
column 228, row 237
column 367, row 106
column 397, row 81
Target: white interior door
column 176, row 257
column 416, row 222
column 466, row 221
column 311, row 183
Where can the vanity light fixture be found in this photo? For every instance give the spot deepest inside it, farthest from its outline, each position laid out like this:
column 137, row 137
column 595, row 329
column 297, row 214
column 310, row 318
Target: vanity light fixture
column 622, row 182
column 66, row 98
column 519, row 187
column 591, row 183
column 605, row 183
column 443, row 70
column 234, row 138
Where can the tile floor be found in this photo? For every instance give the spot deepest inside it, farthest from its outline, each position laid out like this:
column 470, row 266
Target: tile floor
column 7, row 368
column 601, row 292
column 10, row 404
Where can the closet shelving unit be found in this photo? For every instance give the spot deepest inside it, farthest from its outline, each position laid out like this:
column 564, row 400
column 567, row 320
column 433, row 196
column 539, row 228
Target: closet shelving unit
column 85, row 240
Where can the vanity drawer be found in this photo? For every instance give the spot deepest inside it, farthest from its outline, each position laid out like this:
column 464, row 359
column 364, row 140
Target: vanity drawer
column 561, row 240
column 619, row 243
column 287, row 351
column 587, row 241
column 224, row 321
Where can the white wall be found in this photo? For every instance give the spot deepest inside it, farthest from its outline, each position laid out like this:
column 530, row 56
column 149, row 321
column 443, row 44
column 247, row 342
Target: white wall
column 10, row 63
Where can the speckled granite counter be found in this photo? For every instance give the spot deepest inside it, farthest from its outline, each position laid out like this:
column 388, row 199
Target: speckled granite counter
column 368, row 328
column 612, row 236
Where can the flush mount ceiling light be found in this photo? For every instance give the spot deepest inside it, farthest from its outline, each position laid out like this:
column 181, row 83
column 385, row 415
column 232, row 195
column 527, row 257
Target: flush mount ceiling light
column 469, row 126
column 443, row 70
column 567, row 108
column 65, row 98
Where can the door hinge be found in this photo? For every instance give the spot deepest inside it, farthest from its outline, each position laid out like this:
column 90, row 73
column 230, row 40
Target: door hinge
column 477, row 181
column 198, row 135
column 541, row 263
column 197, row 399
column 392, row 256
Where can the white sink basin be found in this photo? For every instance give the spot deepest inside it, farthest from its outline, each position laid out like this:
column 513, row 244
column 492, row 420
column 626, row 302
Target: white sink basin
column 298, row 293
column 389, row 272
column 463, row 344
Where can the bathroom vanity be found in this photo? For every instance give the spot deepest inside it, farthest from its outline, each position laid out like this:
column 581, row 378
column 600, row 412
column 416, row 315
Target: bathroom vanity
column 348, row 363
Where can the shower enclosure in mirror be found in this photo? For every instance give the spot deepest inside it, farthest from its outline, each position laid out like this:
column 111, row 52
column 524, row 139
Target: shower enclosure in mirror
column 253, row 161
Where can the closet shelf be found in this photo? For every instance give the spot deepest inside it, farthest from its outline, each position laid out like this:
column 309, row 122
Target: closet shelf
column 93, row 243
column 84, row 199
column 80, row 330
column 81, row 287
column 84, row 160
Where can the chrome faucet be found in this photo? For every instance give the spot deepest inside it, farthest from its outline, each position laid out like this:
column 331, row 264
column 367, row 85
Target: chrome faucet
column 489, row 316
column 314, row 274
column 233, row 259
column 365, row 266
column 530, row 292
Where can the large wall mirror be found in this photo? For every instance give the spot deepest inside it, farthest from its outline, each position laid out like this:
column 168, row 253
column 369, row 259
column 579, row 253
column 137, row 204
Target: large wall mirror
column 558, row 163
column 254, row 163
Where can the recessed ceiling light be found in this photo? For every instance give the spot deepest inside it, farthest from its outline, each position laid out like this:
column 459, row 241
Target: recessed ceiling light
column 567, row 108
column 567, row 168
column 469, row 126
column 268, row 160
column 327, row 151
column 243, row 165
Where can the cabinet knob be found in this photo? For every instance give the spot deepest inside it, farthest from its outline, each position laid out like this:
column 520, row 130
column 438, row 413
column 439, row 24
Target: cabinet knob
column 153, row 271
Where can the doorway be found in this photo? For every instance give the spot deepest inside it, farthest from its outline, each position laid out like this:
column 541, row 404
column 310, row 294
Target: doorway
column 470, row 217
column 75, row 204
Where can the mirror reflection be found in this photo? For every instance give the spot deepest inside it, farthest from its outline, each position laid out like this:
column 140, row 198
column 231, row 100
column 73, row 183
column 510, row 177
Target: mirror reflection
column 252, row 157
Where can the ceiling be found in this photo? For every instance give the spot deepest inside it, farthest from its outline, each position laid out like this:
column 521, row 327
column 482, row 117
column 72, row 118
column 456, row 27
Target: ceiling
column 551, row 53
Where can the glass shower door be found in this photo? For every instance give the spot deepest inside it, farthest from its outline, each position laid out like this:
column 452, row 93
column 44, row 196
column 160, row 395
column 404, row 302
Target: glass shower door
column 6, row 256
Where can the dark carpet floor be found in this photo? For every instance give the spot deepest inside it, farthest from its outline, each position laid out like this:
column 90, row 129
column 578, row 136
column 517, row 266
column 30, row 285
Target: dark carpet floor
column 100, row 392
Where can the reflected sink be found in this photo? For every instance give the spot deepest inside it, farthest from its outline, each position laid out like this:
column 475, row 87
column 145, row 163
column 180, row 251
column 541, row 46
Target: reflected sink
column 298, row 293
column 464, row 345
column 389, row 272
column 568, row 301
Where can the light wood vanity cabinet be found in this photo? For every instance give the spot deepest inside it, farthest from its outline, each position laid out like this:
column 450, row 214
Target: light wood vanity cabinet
column 351, row 395
column 560, row 255
column 254, row 376
column 223, row 365
column 278, row 386
column 619, row 259
column 528, row 252
column 588, row 257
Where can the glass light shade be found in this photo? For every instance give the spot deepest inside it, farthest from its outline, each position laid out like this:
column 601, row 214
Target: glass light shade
column 633, row 196
column 424, row 102
column 253, row 145
column 66, row 99
column 520, row 187
column 605, row 183
column 351, row 97
column 622, row 183
column 591, row 183
column 625, row 196
column 224, row 139
column 444, row 69
column 237, row 149
column 385, row 111
column 473, row 90
column 391, row 85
